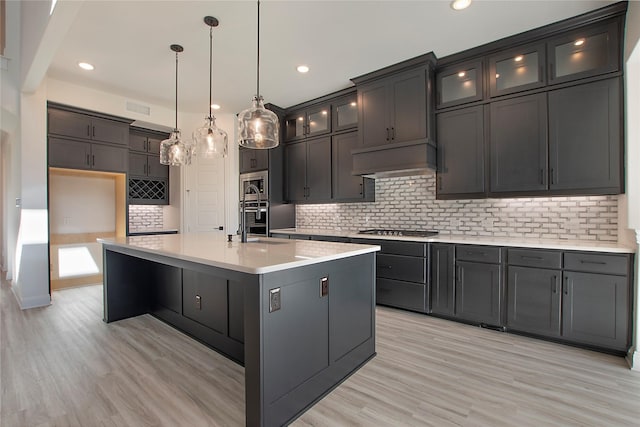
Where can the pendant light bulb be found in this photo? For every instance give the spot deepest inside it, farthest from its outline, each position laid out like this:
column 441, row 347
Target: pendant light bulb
column 174, row 151
column 209, row 140
column 258, row 128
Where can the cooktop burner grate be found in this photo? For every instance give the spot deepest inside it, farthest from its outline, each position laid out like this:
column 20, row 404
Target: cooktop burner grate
column 399, row 233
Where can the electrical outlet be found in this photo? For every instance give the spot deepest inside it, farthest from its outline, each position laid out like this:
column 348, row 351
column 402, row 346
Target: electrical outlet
column 67, row 220
column 274, row 300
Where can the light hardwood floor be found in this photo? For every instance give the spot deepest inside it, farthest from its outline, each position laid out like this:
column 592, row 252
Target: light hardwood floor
column 62, row 366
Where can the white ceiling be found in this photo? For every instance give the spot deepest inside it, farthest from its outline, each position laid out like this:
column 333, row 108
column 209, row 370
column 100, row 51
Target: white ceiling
column 128, row 42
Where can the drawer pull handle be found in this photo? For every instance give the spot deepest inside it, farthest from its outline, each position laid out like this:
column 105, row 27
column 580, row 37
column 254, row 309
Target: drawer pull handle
column 537, row 258
column 385, row 266
column 554, row 279
column 582, row 261
column 477, row 253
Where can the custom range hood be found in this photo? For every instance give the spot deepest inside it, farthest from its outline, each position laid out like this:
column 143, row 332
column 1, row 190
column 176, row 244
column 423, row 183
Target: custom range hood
column 396, row 120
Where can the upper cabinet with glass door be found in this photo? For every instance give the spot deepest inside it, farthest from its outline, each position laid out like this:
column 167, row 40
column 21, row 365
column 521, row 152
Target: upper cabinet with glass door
column 516, row 70
column 308, row 122
column 345, row 113
column 584, row 53
column 459, row 84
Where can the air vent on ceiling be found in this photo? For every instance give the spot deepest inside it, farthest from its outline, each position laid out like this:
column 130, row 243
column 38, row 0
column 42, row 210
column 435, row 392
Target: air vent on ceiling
column 138, row 108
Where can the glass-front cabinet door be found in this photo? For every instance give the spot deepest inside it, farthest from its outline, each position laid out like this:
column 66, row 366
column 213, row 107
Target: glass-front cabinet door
column 459, row 84
column 319, row 120
column 295, row 126
column 517, row 70
column 345, row 113
column 306, row 123
column 584, row 53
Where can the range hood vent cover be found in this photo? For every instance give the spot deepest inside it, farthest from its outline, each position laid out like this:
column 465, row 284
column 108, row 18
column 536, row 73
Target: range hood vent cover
column 400, row 159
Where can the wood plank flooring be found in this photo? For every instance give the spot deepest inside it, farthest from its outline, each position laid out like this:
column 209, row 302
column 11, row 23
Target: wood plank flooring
column 62, row 366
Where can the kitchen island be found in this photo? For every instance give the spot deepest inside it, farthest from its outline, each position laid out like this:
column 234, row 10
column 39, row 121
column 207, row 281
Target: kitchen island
column 300, row 315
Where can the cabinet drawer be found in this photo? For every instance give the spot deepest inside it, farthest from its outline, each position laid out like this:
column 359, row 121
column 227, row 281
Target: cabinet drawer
column 410, row 269
column 478, row 253
column 534, row 258
column 596, row 263
column 338, row 239
column 411, row 296
column 396, row 247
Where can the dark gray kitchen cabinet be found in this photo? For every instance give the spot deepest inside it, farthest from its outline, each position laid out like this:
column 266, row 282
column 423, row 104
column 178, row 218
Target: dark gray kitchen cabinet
column 460, row 139
column 166, row 292
column 585, row 52
column 309, row 122
column 534, row 300
column 442, row 279
column 460, row 84
column 518, row 69
column 394, row 109
column 204, row 299
column 347, row 187
column 478, row 289
column 518, row 144
column 71, row 154
column 308, row 166
column 596, row 309
column 147, row 165
column 144, row 141
column 253, row 160
column 345, row 113
column 585, row 137
column 78, row 125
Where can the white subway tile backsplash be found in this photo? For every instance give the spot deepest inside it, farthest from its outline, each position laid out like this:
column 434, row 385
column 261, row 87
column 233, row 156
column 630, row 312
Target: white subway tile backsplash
column 145, row 217
column 410, row 203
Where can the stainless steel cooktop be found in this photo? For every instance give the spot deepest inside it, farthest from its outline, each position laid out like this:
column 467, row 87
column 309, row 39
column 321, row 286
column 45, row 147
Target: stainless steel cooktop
column 399, row 233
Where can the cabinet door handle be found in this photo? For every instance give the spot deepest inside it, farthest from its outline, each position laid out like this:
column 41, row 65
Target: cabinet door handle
column 537, row 258
column 361, row 189
column 554, row 280
column 88, row 130
column 144, row 145
column 541, row 176
column 94, row 131
column 551, row 76
column 393, row 134
column 439, row 183
column 93, row 160
column 565, row 286
column 477, row 253
column 88, row 160
column 553, row 180
column 541, row 78
column 387, row 134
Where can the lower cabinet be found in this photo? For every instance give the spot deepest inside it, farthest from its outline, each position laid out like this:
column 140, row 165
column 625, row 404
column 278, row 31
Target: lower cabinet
column 478, row 296
column 583, row 299
column 534, row 300
column 443, row 279
column 478, row 288
column 204, row 299
column 595, row 310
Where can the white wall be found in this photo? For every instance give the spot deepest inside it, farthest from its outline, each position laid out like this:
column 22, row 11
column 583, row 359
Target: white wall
column 84, row 204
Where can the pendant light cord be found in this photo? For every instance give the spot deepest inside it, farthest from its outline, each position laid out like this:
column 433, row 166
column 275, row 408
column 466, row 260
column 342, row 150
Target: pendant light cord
column 176, row 90
column 210, row 71
column 258, row 58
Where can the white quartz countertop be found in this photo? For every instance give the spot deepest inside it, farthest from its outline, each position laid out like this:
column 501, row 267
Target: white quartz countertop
column 571, row 245
column 264, row 256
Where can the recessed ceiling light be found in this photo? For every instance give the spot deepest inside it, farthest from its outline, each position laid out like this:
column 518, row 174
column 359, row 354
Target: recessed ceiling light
column 518, row 58
column 215, row 106
column 579, row 42
column 303, row 69
column 462, row 74
column 85, row 66
column 460, row 4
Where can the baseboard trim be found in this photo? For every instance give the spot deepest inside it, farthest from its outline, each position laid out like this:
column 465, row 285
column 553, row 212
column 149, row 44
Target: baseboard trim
column 31, row 302
column 633, row 359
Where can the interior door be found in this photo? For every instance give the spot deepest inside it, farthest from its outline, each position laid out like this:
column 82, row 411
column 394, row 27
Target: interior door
column 205, row 184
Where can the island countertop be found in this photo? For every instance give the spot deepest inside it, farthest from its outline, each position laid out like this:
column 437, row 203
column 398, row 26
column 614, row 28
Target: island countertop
column 263, row 256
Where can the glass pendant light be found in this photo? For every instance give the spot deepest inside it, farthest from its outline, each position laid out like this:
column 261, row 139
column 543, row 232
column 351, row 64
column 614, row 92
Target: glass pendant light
column 257, row 126
column 209, row 140
column 174, row 151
